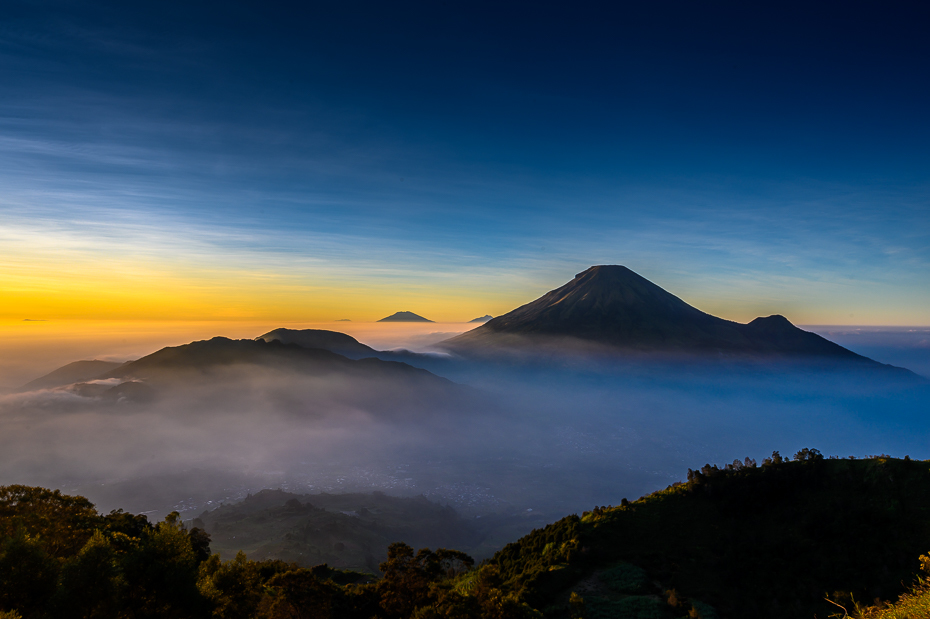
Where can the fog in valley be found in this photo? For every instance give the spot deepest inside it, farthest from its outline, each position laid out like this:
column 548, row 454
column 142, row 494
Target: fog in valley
column 527, row 438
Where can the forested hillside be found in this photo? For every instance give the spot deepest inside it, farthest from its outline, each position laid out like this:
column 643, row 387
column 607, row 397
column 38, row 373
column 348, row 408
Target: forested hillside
column 59, row 558
column 741, row 541
column 785, row 538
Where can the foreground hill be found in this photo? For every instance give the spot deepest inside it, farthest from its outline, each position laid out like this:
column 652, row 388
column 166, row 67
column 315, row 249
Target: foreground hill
column 743, row 541
column 764, row 541
column 611, row 306
column 59, row 558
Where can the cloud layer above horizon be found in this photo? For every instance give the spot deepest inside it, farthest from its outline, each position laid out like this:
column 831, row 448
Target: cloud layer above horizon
column 323, row 161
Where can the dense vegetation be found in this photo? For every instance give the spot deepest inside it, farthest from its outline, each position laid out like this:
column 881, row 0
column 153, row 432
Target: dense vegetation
column 742, row 541
column 799, row 538
column 912, row 604
column 60, row 558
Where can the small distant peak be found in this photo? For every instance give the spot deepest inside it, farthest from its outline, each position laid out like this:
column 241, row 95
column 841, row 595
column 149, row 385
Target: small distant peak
column 484, row 318
column 404, row 316
column 773, row 320
column 771, row 324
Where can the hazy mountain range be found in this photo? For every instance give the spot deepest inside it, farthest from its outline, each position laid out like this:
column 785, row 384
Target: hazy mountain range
column 609, row 307
column 314, row 410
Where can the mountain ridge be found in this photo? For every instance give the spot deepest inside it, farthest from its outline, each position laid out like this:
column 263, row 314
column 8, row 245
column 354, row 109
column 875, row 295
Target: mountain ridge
column 221, row 351
column 333, row 341
column 74, row 372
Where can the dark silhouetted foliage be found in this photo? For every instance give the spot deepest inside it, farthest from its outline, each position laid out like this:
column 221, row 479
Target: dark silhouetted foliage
column 735, row 541
column 745, row 540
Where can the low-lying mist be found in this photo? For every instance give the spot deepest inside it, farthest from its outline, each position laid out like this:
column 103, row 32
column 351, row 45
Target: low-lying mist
column 543, row 439
column 29, row 349
column 907, row 347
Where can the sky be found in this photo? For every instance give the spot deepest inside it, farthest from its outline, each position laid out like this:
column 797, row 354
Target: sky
column 284, row 162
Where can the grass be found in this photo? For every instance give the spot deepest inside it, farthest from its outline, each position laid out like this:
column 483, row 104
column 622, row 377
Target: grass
column 914, row 604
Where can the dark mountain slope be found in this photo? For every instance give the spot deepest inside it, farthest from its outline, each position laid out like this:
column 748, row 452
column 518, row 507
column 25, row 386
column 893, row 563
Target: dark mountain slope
column 333, row 341
column 222, row 374
column 612, row 303
column 613, row 306
column 775, row 334
column 767, row 541
column 219, row 352
column 348, row 346
column 76, row 372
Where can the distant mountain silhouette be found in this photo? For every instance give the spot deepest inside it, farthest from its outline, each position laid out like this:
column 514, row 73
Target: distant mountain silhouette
column 613, row 306
column 207, row 355
column 348, row 346
column 276, row 524
column 404, row 317
column 333, row 341
column 227, row 372
column 223, row 374
column 484, row 318
column 76, row 372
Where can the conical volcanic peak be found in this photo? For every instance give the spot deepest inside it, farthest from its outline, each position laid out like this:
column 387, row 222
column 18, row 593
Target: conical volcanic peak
column 611, row 305
column 601, row 300
column 404, row 317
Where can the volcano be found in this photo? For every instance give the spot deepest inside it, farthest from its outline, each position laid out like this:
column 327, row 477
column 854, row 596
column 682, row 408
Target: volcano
column 612, row 306
column 404, row 317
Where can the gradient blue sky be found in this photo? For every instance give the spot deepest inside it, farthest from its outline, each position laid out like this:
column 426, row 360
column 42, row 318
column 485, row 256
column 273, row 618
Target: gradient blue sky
column 347, row 158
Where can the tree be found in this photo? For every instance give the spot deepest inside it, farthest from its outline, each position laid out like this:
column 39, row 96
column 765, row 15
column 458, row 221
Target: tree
column 234, row 587
column 808, row 455
column 301, row 595
column 28, row 573
column 161, row 573
column 90, row 582
column 406, row 580
column 63, row 523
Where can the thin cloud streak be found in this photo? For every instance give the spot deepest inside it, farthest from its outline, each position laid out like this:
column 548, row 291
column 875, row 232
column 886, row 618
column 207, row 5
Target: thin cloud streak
column 319, row 155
